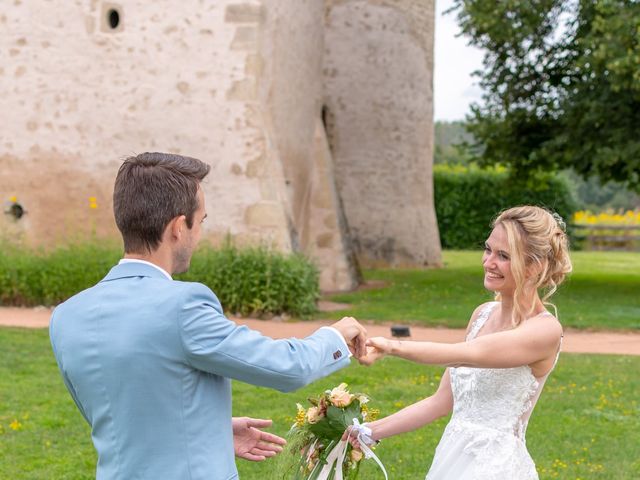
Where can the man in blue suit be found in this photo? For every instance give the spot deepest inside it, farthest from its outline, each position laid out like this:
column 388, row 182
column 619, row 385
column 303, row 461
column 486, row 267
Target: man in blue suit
column 148, row 360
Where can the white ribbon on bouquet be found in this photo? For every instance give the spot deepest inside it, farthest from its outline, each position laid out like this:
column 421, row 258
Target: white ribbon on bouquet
column 335, row 459
column 336, row 456
column 364, row 438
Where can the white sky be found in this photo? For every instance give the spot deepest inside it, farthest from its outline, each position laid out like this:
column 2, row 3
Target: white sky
column 454, row 87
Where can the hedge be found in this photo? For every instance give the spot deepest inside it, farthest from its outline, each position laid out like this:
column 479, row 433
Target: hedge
column 467, row 199
column 248, row 281
column 257, row 281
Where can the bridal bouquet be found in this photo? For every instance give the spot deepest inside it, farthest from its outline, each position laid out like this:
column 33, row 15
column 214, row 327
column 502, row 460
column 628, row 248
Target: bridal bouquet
column 315, row 449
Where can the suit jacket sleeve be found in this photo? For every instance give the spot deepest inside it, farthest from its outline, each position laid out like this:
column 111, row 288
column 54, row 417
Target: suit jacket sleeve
column 217, row 345
column 63, row 372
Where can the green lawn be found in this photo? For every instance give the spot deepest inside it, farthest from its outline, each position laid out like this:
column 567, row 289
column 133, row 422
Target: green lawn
column 601, row 293
column 586, row 426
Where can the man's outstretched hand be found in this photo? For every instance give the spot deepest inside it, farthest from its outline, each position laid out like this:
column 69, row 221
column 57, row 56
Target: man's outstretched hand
column 253, row 444
column 354, row 334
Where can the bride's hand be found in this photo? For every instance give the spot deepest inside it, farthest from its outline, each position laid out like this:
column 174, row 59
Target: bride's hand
column 352, row 437
column 377, row 347
column 372, row 356
column 382, row 344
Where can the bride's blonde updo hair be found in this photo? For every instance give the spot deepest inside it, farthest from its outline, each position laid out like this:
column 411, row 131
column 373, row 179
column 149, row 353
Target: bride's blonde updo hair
column 537, row 242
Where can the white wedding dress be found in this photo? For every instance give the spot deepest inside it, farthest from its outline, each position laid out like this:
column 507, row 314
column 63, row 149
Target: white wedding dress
column 485, row 438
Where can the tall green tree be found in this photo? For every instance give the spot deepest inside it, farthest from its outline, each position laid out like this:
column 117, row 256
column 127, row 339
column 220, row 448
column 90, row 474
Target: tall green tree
column 562, row 85
column 449, row 140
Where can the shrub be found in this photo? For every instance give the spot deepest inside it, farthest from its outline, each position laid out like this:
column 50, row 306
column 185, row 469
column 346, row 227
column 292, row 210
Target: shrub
column 34, row 277
column 256, row 280
column 468, row 198
column 251, row 281
column 608, row 230
column 629, row 218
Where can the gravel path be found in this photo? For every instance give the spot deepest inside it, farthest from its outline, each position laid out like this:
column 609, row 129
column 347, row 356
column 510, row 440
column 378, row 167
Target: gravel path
column 575, row 341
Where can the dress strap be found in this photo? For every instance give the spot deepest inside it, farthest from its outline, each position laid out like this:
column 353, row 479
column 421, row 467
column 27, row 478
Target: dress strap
column 480, row 320
column 558, row 353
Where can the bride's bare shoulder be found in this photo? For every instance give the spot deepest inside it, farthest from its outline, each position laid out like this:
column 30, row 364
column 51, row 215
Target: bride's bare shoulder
column 546, row 323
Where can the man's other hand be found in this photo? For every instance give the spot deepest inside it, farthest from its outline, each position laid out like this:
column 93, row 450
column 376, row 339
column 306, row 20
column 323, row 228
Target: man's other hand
column 253, row 444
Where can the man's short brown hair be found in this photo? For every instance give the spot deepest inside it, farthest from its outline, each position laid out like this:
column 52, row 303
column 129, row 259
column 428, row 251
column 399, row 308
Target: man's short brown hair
column 151, row 189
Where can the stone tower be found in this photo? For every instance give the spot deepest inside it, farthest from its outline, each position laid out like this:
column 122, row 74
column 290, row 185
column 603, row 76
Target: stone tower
column 242, row 86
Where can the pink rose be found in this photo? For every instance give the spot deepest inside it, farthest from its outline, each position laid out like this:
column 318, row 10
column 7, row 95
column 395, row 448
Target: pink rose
column 339, row 396
column 314, row 415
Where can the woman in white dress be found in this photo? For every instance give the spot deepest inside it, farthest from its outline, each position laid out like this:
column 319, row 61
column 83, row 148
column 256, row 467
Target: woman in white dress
column 494, row 379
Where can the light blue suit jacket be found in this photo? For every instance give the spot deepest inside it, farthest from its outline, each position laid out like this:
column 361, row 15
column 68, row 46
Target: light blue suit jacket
column 148, row 362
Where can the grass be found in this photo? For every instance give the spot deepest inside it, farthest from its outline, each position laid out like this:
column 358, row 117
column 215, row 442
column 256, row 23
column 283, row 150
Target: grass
column 601, row 293
column 586, row 425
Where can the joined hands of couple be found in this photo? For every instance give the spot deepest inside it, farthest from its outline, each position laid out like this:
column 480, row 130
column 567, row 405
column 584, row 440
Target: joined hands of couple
column 366, row 350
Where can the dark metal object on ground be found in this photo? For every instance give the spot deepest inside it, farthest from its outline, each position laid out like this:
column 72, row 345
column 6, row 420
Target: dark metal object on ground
column 400, row 331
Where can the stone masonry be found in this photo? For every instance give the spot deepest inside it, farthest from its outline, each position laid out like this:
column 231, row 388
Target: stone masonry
column 242, row 86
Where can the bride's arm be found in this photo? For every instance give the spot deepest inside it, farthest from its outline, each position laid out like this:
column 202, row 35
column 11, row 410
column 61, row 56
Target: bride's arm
column 416, row 415
column 534, row 340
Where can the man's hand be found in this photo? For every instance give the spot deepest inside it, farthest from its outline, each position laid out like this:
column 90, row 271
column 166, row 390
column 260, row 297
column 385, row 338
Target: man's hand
column 354, row 334
column 253, row 444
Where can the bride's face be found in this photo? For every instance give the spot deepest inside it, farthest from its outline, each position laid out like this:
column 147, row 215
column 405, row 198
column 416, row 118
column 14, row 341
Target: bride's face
column 496, row 262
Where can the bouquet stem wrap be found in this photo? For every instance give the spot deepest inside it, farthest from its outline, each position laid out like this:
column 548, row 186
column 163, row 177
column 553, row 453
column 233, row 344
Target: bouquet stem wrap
column 365, row 440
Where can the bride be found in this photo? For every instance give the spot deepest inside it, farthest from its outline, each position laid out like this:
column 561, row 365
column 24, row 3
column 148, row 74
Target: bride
column 495, row 378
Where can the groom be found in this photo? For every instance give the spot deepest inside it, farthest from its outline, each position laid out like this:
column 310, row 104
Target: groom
column 148, row 360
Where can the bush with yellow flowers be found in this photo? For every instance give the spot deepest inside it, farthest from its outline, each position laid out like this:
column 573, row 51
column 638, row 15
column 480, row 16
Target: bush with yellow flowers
column 608, row 230
column 586, row 218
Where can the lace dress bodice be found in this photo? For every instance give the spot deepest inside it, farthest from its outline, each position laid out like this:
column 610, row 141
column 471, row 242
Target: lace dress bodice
column 497, row 398
column 491, row 409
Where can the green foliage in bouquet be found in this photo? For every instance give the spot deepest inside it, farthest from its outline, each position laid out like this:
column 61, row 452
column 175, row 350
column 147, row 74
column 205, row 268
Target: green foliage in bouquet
column 318, row 430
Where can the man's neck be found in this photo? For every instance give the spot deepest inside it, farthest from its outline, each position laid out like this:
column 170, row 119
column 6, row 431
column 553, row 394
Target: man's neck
column 157, row 257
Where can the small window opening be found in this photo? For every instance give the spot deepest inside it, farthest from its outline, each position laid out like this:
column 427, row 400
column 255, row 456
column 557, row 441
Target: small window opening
column 15, row 210
column 114, row 18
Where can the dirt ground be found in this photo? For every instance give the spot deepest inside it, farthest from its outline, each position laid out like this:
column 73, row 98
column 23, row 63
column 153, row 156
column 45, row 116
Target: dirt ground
column 575, row 341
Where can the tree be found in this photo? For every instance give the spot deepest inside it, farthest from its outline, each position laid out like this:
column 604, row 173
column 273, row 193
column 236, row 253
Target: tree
column 449, row 138
column 562, row 85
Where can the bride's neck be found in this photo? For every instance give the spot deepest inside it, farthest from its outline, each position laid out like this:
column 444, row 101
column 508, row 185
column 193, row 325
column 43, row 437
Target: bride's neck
column 507, row 306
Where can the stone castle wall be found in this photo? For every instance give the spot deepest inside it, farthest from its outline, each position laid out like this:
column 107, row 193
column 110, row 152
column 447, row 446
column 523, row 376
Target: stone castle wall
column 379, row 94
column 238, row 85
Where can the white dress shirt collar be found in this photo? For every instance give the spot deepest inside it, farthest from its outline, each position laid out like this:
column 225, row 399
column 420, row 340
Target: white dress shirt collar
column 135, row 260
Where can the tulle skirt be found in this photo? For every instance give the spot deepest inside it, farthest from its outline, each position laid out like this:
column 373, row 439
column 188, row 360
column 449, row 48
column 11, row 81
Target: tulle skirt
column 469, row 451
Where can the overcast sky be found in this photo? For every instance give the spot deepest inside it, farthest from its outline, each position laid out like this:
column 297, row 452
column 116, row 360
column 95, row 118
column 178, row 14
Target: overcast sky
column 454, row 87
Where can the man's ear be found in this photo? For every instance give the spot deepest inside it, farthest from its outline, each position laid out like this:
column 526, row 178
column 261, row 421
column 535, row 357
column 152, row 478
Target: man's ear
column 177, row 227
